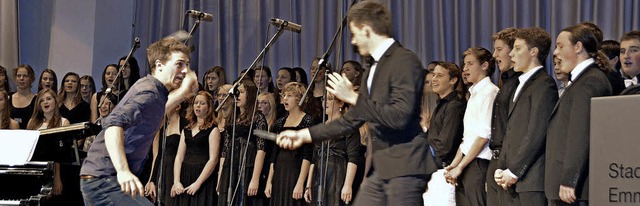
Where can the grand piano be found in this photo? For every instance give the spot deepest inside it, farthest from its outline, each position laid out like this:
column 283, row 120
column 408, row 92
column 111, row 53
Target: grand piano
column 31, row 183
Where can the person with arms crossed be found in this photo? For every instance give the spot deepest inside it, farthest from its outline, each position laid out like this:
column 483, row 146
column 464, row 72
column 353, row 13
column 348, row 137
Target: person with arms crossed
column 389, row 102
column 109, row 173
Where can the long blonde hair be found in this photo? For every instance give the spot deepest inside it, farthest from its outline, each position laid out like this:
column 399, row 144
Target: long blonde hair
column 227, row 107
column 271, row 117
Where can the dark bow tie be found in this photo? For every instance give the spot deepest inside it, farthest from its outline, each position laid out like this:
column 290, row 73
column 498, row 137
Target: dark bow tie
column 369, row 61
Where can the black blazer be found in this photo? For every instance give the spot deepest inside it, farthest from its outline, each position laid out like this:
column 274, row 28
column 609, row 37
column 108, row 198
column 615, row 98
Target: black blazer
column 635, row 89
column 567, row 157
column 527, row 121
column 392, row 112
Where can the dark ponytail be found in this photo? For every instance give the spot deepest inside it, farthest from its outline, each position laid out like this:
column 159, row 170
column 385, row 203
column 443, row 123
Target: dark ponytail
column 589, row 39
column 602, row 61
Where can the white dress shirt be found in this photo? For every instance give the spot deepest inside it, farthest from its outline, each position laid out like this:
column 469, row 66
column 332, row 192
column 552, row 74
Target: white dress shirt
column 578, row 69
column 376, row 55
column 477, row 116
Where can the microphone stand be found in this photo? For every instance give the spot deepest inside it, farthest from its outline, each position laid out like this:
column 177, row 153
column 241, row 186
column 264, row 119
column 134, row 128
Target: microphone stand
column 230, row 194
column 196, row 24
column 243, row 158
column 136, row 45
column 324, row 152
column 260, row 56
column 161, row 150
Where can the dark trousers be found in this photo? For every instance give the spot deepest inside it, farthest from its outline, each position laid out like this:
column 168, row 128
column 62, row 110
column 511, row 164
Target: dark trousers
column 405, row 190
column 528, row 198
column 471, row 183
column 561, row 203
column 106, row 191
column 495, row 193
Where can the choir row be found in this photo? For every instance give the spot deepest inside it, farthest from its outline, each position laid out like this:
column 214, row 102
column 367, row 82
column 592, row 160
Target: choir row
column 462, row 126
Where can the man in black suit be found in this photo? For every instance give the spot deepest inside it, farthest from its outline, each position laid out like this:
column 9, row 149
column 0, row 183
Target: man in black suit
column 502, row 46
column 567, row 146
column 531, row 105
column 388, row 101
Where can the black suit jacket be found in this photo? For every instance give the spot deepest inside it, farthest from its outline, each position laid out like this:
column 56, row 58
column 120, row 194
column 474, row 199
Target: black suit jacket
column 635, row 89
column 524, row 143
column 567, row 157
column 392, row 113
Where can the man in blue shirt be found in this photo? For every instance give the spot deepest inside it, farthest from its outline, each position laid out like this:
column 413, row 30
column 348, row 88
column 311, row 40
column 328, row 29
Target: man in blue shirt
column 108, row 174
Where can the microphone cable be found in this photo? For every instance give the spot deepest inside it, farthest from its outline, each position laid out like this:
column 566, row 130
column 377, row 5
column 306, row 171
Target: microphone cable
column 251, row 123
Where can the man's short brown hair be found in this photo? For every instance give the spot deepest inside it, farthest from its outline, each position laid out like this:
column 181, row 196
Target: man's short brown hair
column 536, row 37
column 162, row 50
column 373, row 14
column 632, row 35
column 506, row 35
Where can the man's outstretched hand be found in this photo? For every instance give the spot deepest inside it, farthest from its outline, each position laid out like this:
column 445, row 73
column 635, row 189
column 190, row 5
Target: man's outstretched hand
column 291, row 139
column 342, row 88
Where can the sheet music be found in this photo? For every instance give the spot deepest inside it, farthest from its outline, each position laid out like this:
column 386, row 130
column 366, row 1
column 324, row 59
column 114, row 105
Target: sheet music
column 17, row 146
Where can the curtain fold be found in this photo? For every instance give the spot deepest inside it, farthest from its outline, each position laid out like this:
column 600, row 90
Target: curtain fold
column 434, row 29
column 9, row 35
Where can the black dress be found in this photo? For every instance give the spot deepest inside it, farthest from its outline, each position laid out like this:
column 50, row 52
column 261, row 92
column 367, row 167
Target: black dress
column 80, row 113
column 164, row 185
column 195, row 158
column 163, row 178
column 286, row 165
column 239, row 141
column 22, row 115
column 341, row 151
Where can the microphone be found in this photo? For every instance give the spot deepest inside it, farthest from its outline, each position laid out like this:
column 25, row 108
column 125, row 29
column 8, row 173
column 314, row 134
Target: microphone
column 287, row 25
column 265, row 134
column 201, row 15
column 136, row 42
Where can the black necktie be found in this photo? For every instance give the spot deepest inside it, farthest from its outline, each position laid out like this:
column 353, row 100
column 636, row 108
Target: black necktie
column 369, row 61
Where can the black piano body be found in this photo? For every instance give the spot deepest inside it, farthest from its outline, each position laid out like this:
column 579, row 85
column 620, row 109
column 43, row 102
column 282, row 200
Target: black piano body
column 32, row 183
column 27, row 184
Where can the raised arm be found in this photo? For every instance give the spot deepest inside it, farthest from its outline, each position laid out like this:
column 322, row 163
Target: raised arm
column 187, row 89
